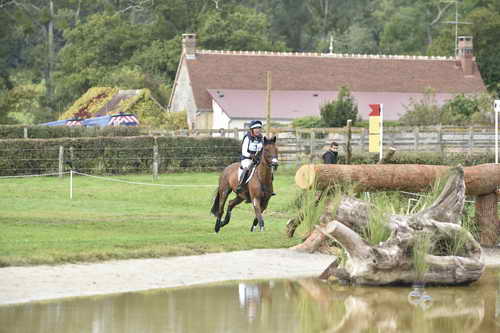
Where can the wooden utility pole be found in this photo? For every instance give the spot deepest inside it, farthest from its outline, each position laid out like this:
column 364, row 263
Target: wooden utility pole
column 268, row 120
column 348, row 143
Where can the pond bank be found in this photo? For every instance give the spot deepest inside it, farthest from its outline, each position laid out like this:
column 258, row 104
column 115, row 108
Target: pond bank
column 36, row 283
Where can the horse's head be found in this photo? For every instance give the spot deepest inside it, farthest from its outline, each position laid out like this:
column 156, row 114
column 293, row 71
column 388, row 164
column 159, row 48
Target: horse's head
column 270, row 153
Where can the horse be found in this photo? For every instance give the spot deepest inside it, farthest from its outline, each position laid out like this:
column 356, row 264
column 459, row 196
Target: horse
column 258, row 190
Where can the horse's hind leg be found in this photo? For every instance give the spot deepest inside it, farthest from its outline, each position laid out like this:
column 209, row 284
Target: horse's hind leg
column 223, row 194
column 233, row 203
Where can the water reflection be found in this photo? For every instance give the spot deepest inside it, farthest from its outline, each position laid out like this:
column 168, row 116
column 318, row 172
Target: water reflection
column 272, row 306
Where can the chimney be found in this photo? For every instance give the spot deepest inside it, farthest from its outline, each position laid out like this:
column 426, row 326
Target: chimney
column 465, row 55
column 189, row 45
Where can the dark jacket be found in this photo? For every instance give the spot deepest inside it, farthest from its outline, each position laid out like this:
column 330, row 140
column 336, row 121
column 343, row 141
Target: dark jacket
column 330, row 157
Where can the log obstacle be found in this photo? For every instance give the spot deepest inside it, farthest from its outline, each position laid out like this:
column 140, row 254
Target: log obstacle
column 481, row 181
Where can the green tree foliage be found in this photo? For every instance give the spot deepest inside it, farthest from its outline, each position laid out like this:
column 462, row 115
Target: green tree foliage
column 337, row 112
column 486, row 32
column 238, row 28
column 308, row 122
column 460, row 110
column 64, row 47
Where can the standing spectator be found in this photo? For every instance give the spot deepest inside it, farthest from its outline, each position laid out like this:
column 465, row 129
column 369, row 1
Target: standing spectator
column 331, row 155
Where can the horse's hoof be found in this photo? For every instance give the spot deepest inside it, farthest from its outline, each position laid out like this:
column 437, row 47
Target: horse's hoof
column 261, row 229
column 252, row 228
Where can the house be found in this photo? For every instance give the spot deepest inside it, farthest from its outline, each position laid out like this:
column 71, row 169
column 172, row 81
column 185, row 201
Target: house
column 226, row 89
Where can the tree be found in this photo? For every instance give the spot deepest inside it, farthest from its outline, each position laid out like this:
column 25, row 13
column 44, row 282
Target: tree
column 93, row 50
column 485, row 28
column 237, row 28
column 465, row 110
column 337, row 112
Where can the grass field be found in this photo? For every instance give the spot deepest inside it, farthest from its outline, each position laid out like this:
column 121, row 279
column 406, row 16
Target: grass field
column 111, row 220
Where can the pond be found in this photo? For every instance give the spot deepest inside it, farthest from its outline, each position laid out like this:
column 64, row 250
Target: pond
column 306, row 305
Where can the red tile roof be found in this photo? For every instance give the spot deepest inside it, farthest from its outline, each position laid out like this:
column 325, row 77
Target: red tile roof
column 321, row 72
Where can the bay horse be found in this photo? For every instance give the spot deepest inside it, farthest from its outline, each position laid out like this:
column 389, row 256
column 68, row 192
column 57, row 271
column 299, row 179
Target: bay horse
column 257, row 191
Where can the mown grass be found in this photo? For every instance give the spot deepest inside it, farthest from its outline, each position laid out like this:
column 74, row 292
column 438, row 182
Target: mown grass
column 110, row 220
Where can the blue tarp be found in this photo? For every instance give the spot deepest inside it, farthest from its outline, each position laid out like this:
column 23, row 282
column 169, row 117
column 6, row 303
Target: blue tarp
column 115, row 120
column 56, row 123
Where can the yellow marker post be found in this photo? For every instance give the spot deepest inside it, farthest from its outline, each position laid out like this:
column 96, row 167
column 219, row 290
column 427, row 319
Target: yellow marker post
column 375, row 129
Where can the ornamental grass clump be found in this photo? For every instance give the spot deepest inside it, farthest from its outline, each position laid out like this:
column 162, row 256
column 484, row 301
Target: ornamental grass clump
column 310, row 204
column 421, row 248
column 377, row 229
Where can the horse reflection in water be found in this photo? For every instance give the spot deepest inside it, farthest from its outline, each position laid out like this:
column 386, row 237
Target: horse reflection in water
column 251, row 295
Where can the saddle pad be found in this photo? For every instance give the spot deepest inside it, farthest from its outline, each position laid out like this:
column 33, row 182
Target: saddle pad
column 249, row 177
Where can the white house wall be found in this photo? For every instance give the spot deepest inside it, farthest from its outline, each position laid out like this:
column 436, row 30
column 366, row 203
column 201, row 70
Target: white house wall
column 220, row 119
column 183, row 99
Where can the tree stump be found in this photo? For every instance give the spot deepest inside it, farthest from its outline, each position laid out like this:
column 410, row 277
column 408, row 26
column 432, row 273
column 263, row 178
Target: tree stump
column 393, row 261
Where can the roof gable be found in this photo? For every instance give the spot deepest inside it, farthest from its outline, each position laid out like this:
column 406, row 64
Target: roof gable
column 317, row 72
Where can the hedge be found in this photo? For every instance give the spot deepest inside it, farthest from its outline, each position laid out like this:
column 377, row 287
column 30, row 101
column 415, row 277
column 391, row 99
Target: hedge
column 431, row 158
column 53, row 132
column 116, row 155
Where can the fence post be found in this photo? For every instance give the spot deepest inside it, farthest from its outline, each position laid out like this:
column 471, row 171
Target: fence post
column 236, row 134
column 25, row 132
column 416, row 135
column 440, row 140
column 348, row 145
column 298, row 148
column 393, row 138
column 71, row 184
column 471, row 139
column 362, row 139
column 61, row 161
column 311, row 142
column 155, row 162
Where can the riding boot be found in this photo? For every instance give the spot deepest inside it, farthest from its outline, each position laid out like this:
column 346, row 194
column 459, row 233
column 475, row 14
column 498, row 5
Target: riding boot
column 242, row 179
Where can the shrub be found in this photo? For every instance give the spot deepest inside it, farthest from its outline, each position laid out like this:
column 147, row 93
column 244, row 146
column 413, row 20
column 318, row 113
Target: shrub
column 467, row 110
column 337, row 112
column 308, row 122
column 423, row 111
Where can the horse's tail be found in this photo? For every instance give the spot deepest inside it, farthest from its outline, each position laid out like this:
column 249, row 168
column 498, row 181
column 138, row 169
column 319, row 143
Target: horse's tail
column 215, row 206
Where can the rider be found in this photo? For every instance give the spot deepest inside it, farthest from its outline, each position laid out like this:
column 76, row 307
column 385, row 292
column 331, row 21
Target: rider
column 252, row 144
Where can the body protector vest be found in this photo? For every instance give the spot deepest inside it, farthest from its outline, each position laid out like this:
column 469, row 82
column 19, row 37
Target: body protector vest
column 251, row 145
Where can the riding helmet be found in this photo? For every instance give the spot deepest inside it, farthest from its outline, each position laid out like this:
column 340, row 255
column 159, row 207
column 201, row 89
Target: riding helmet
column 255, row 124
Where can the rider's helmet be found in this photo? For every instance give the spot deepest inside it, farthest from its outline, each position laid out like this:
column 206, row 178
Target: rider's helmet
column 255, row 124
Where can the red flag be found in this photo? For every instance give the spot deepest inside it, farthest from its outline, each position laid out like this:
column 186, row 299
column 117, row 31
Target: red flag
column 375, row 110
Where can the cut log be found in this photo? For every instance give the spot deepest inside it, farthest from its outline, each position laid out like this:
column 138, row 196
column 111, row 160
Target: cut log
column 479, row 180
column 487, row 219
column 454, row 259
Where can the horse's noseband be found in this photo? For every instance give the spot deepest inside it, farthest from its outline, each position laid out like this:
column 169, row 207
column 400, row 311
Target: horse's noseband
column 274, row 163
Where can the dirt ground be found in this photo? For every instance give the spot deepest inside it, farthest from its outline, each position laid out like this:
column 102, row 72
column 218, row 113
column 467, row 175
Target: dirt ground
column 37, row 283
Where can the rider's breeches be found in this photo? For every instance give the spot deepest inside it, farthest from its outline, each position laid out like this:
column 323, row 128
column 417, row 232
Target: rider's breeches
column 245, row 165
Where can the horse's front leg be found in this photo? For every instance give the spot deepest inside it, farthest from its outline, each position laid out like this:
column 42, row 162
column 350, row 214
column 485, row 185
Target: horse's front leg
column 258, row 214
column 233, row 203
